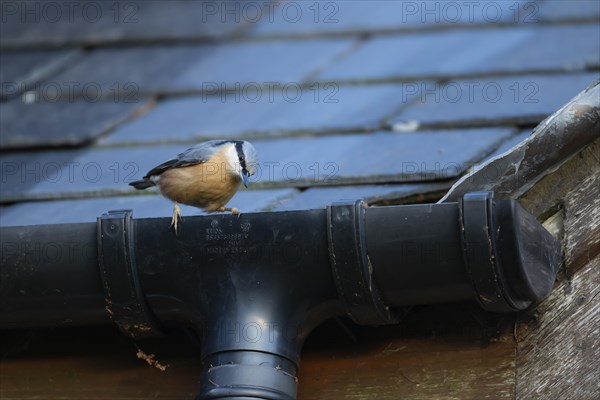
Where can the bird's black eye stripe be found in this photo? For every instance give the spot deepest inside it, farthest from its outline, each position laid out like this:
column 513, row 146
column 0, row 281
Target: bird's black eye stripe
column 240, row 153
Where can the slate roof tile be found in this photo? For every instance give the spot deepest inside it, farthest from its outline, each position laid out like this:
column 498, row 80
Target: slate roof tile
column 510, row 143
column 344, row 17
column 318, row 109
column 50, row 124
column 573, row 10
column 146, row 206
column 464, row 52
column 490, row 101
column 382, row 157
column 321, row 197
column 39, row 23
column 20, row 70
column 207, row 67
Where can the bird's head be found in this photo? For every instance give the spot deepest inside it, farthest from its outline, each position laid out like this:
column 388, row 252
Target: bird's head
column 243, row 157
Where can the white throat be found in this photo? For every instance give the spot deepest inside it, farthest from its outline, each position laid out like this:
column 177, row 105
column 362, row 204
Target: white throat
column 233, row 163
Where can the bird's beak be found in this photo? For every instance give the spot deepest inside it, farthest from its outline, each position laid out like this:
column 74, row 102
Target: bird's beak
column 245, row 178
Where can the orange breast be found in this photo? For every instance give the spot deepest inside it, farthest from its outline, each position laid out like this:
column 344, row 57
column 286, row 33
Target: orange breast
column 209, row 185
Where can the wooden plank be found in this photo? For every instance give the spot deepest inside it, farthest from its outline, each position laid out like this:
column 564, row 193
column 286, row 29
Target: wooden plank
column 421, row 367
column 559, row 350
column 95, row 363
column 436, row 352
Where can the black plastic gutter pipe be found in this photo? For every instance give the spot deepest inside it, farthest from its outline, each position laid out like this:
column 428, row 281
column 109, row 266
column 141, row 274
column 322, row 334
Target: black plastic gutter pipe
column 256, row 285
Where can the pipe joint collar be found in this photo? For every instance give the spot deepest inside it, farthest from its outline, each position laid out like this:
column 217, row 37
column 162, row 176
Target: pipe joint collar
column 125, row 300
column 351, row 267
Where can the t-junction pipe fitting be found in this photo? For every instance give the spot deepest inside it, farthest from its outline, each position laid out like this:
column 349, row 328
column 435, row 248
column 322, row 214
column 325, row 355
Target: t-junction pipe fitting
column 256, row 285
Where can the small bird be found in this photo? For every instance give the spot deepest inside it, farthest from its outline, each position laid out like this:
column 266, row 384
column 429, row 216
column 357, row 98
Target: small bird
column 206, row 175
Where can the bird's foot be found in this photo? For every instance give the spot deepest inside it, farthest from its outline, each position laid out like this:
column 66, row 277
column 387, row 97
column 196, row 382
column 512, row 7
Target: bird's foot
column 232, row 210
column 176, row 217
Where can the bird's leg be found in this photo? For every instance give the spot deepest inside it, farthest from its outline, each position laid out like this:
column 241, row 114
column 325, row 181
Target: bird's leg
column 232, row 210
column 176, row 217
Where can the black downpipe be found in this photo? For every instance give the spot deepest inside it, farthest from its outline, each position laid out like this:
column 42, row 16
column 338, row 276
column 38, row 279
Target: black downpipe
column 257, row 284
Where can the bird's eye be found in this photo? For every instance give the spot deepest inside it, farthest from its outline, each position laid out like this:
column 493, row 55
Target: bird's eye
column 241, row 159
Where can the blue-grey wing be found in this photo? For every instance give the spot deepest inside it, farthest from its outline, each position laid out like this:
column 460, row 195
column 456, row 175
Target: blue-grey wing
column 197, row 154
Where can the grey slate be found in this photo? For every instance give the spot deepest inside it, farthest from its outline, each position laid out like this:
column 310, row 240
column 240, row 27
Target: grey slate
column 463, row 52
column 314, row 198
column 146, row 206
column 19, row 70
column 509, row 144
column 346, row 17
column 569, row 10
column 184, row 68
column 196, row 118
column 491, row 101
column 382, row 157
column 74, row 123
column 99, row 22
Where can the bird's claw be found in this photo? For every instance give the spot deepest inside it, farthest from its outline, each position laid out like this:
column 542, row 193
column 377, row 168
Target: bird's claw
column 176, row 217
column 232, row 210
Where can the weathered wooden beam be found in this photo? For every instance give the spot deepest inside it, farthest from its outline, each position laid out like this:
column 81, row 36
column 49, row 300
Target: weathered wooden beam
column 558, row 349
column 444, row 366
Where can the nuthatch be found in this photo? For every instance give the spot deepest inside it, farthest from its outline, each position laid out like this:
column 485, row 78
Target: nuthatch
column 205, row 176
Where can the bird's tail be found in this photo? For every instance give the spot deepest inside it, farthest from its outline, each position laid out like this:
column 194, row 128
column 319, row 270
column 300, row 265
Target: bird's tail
column 143, row 184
